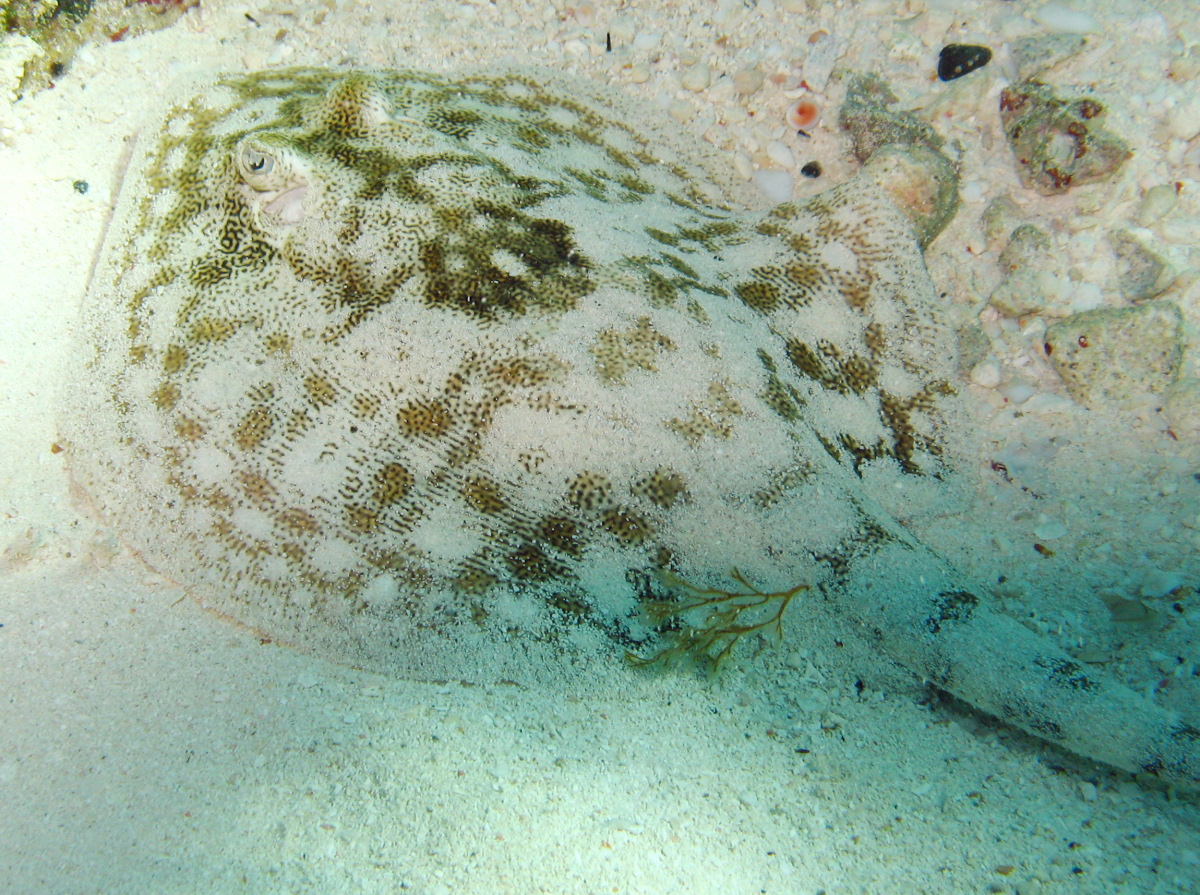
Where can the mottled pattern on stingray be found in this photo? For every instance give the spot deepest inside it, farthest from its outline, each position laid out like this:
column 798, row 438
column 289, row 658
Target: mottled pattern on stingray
column 424, row 373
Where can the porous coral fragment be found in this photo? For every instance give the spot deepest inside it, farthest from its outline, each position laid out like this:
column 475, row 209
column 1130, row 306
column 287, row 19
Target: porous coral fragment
column 1058, row 143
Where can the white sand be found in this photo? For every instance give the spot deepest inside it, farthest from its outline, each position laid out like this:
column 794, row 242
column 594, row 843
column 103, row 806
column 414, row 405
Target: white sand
column 147, row 746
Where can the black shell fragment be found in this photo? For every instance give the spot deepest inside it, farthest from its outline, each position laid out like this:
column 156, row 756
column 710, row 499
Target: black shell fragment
column 957, row 60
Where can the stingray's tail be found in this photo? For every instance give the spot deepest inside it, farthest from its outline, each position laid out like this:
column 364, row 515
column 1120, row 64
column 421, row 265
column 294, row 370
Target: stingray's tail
column 910, row 603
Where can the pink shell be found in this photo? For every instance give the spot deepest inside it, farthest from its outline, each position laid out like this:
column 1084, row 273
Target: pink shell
column 803, row 114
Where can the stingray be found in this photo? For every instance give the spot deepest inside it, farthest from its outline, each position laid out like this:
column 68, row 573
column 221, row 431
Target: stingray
column 481, row 376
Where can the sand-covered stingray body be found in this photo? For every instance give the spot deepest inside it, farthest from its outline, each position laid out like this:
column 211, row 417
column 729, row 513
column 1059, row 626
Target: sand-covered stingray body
column 452, row 377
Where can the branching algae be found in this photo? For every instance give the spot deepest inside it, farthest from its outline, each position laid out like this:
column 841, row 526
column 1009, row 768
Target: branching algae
column 704, row 624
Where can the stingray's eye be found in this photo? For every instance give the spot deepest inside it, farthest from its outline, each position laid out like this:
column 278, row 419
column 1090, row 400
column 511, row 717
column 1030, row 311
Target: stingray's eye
column 256, row 165
column 276, row 174
column 257, row 162
column 261, row 164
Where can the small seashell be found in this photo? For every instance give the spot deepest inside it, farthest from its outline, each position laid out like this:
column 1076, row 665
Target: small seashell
column 585, row 14
column 1049, row 529
column 957, row 60
column 747, row 80
column 743, row 165
column 986, row 373
column 1157, row 203
column 681, row 111
column 639, row 72
column 697, row 77
column 778, row 152
column 803, row 114
column 775, row 185
column 1158, row 583
column 1058, row 17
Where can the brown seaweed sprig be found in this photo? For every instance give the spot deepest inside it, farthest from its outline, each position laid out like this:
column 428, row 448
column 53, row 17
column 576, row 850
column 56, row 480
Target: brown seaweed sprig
column 728, row 616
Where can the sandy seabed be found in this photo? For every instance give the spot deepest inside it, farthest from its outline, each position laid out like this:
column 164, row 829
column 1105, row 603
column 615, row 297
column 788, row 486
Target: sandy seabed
column 149, row 746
